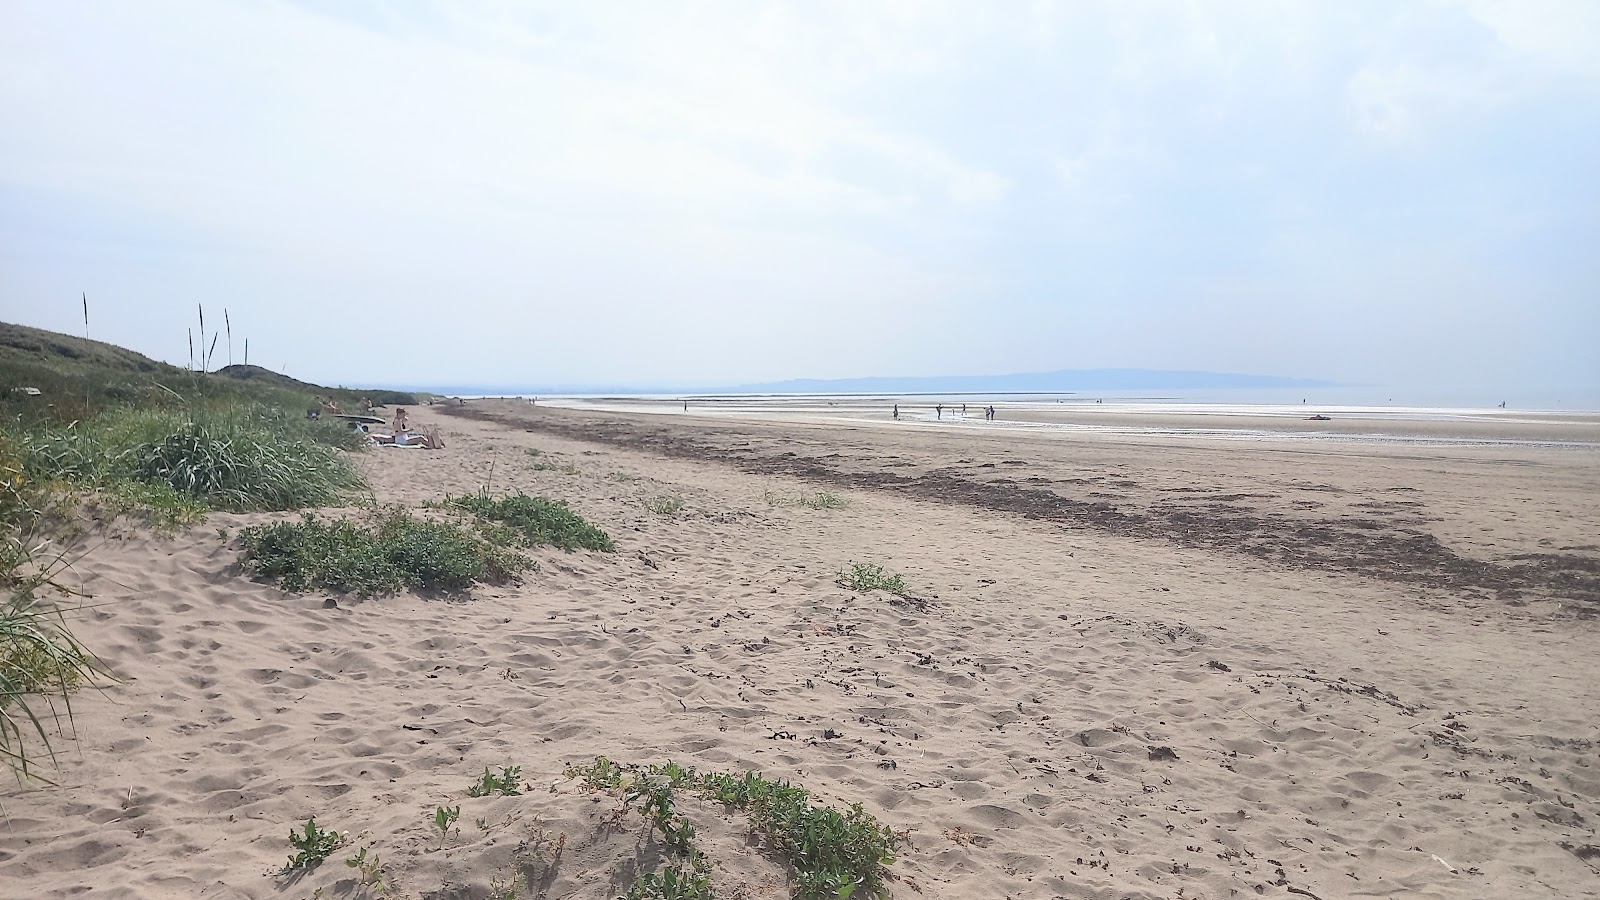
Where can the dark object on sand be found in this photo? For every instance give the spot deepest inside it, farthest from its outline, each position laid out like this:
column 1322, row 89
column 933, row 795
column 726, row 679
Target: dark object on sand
column 1319, row 417
column 368, row 420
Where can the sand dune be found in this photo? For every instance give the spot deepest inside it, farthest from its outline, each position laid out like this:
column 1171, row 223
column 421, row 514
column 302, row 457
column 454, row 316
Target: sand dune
column 1071, row 703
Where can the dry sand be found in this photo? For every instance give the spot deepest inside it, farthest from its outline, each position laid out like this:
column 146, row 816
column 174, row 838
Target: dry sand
column 1133, row 667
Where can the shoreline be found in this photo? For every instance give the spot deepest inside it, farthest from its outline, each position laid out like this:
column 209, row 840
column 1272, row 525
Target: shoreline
column 1216, row 421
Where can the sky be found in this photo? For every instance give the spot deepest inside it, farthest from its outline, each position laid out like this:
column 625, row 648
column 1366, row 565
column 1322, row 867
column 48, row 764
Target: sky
column 1395, row 192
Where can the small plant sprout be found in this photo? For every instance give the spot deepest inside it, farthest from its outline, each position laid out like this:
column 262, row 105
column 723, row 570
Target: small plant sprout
column 507, row 784
column 443, row 818
column 313, row 845
column 504, row 888
column 369, row 870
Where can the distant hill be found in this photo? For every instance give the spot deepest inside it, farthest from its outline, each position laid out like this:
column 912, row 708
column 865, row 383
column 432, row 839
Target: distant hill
column 1062, row 381
column 63, row 366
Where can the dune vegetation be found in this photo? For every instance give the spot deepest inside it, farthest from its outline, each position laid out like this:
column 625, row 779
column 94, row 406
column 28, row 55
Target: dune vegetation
column 88, row 424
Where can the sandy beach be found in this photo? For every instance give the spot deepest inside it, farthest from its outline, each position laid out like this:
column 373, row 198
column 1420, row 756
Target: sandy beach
column 1132, row 663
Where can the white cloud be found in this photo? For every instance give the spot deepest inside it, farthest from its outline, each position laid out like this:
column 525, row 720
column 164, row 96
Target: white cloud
column 1561, row 34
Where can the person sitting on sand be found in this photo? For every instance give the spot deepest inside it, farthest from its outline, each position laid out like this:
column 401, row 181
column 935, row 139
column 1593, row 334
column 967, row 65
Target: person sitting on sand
column 400, row 423
column 430, row 440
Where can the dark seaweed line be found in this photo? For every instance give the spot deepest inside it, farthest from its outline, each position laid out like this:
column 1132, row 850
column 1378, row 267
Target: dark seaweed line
column 1390, row 554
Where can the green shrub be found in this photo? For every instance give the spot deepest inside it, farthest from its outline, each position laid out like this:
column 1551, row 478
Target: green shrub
column 539, row 521
column 398, row 551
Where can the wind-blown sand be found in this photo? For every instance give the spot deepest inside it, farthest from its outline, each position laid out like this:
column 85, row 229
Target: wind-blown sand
column 1133, row 667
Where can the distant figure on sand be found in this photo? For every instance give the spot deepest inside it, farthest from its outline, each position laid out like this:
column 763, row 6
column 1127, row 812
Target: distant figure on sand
column 989, row 414
column 963, row 409
column 938, row 410
column 685, row 406
column 897, row 410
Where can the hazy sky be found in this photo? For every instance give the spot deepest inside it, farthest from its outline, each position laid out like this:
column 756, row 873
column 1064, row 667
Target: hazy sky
column 706, row 193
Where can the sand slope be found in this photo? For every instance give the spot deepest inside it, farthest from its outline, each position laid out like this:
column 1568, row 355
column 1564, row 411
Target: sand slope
column 1059, row 712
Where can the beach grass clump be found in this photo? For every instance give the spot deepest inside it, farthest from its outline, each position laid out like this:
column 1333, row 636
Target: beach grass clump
column 665, row 505
column 177, row 461
column 563, row 468
column 395, row 552
column 822, row 500
column 811, row 500
column 40, row 660
column 863, row 577
column 537, row 521
column 834, row 854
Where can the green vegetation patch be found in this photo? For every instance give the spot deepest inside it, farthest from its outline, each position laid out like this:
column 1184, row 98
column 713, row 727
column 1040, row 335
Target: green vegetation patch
column 813, row 500
column 396, row 551
column 240, row 459
column 834, row 854
column 39, row 657
column 538, row 521
column 665, row 505
column 863, row 577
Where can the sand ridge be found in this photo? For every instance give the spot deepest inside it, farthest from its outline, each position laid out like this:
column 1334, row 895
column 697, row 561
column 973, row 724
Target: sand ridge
column 1069, row 712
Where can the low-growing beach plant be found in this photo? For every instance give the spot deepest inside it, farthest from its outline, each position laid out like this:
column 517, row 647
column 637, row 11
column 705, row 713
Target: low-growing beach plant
column 665, row 505
column 508, row 783
column 313, row 845
column 834, row 854
column 369, row 870
column 563, row 468
column 539, row 521
column 443, row 818
column 863, row 577
column 813, row 500
column 672, row 883
column 600, row 775
column 823, row 500
column 505, row 888
column 396, row 551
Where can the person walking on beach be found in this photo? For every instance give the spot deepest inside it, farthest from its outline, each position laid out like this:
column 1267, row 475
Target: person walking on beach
column 938, row 410
column 989, row 414
column 897, row 411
